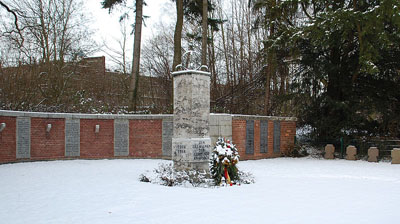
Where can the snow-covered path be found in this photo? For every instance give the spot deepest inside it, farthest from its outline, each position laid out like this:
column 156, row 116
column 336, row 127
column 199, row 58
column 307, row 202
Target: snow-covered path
column 286, row 191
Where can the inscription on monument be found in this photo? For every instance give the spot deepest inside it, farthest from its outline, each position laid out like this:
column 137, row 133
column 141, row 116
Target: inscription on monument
column 23, row 137
column 72, row 137
column 263, row 136
column 167, row 133
column 277, row 136
column 250, row 137
column 201, row 151
column 121, row 137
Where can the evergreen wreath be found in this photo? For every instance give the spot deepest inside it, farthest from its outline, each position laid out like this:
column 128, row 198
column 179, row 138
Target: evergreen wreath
column 223, row 162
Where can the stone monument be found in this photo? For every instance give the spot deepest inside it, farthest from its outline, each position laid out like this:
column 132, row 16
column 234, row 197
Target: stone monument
column 395, row 156
column 329, row 151
column 351, row 152
column 191, row 143
column 373, row 154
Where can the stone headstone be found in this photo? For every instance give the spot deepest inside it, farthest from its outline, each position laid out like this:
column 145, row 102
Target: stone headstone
column 121, row 137
column 351, row 152
column 250, row 137
column 191, row 143
column 277, row 136
column 263, row 136
column 329, row 151
column 167, row 133
column 395, row 156
column 72, row 137
column 373, row 154
column 23, row 137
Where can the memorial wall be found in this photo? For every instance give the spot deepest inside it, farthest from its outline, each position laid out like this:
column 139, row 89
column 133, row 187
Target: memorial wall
column 32, row 136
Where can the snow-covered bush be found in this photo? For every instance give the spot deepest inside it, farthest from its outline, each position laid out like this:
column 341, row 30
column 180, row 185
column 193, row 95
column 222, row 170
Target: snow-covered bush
column 166, row 175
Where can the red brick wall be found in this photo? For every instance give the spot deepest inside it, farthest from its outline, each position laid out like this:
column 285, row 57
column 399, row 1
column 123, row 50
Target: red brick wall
column 47, row 145
column 288, row 131
column 8, row 140
column 239, row 137
column 97, row 145
column 145, row 138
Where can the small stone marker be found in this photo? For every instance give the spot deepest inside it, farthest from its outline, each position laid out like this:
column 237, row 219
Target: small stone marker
column 373, row 154
column 329, row 151
column 351, row 152
column 396, row 156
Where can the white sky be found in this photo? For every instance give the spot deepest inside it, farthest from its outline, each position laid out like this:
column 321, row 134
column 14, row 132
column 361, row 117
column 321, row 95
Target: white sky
column 107, row 27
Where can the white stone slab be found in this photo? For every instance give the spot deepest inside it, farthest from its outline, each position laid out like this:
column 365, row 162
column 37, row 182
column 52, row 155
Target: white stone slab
column 72, row 137
column 121, row 137
column 23, row 131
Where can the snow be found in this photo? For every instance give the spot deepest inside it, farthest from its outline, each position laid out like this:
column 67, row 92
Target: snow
column 287, row 190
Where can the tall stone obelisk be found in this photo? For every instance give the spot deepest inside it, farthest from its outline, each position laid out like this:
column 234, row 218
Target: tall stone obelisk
column 191, row 143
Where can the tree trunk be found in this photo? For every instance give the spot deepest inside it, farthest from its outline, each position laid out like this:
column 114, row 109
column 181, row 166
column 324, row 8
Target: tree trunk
column 134, row 85
column 204, row 37
column 270, row 70
column 178, row 35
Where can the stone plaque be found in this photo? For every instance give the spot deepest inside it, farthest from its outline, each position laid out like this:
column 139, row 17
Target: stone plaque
column 191, row 153
column 277, row 136
column 121, row 137
column 23, row 137
column 167, row 133
column 263, row 136
column 72, row 137
column 250, row 137
column 201, row 150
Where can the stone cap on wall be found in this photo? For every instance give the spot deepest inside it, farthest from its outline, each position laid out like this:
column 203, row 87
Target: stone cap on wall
column 167, row 117
column 86, row 116
column 258, row 117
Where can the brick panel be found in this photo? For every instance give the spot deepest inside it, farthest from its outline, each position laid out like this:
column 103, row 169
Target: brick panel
column 239, row 137
column 145, row 138
column 47, row 145
column 288, row 133
column 8, row 140
column 97, row 145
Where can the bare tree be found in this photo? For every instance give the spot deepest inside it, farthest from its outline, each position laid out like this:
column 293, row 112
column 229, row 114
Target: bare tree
column 53, row 30
column 120, row 56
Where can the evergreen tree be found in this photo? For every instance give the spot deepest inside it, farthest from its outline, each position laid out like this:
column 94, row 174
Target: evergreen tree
column 346, row 72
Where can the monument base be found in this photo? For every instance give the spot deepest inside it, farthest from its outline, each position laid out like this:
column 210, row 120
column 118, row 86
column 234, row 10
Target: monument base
column 191, row 153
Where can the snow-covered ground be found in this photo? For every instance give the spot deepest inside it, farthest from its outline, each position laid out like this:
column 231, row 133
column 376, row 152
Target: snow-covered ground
column 286, row 191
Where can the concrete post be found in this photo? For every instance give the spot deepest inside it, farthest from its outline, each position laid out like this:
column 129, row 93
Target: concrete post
column 191, row 143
